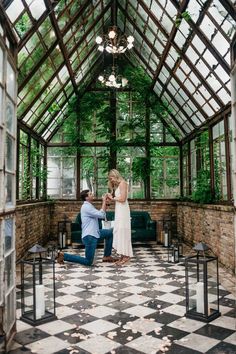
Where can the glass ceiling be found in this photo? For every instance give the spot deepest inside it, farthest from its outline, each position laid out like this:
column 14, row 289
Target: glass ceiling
column 184, row 46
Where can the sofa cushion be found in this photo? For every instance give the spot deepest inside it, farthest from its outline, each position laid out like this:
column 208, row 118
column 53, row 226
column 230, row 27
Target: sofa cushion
column 138, row 222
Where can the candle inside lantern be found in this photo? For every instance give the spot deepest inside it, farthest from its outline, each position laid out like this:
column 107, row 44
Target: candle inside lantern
column 62, row 239
column 39, row 301
column 166, row 243
column 200, row 297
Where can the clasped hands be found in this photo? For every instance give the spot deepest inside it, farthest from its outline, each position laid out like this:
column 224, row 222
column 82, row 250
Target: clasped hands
column 107, row 197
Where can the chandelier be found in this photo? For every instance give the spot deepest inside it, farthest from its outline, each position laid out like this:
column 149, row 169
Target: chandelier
column 113, row 42
column 112, row 79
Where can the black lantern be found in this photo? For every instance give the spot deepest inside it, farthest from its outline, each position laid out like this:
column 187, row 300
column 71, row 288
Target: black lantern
column 37, row 288
column 202, row 285
column 180, row 246
column 52, row 251
column 173, row 253
column 64, row 232
column 167, row 232
column 2, row 333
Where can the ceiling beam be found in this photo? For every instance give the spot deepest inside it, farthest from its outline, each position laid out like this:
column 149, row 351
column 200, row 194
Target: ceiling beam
column 96, row 63
column 23, row 126
column 215, row 119
column 47, row 106
column 185, row 58
column 229, row 7
column 61, row 43
column 42, row 18
column 61, row 66
column 172, row 116
column 53, row 46
column 206, row 41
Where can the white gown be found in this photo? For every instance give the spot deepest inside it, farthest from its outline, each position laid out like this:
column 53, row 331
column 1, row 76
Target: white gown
column 122, row 228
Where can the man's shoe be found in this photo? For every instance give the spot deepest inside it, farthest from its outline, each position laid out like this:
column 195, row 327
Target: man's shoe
column 109, row 259
column 60, row 258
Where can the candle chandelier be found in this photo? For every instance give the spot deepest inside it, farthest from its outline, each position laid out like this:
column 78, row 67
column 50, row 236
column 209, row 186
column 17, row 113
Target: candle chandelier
column 114, row 42
column 111, row 78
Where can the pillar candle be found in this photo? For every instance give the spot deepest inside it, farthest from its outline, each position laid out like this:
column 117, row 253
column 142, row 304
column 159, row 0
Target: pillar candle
column 200, row 297
column 166, row 244
column 39, row 301
column 62, row 239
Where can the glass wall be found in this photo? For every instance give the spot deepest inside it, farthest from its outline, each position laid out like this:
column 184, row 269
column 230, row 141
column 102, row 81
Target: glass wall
column 7, row 185
column 115, row 130
column 208, row 165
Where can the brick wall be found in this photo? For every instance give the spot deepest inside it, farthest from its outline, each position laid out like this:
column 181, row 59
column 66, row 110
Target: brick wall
column 213, row 224
column 37, row 223
column 33, row 222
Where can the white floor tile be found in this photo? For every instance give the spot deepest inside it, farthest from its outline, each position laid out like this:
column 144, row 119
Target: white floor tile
column 99, row 326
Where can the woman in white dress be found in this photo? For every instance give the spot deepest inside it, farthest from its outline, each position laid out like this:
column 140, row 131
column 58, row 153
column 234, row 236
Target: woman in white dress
column 122, row 224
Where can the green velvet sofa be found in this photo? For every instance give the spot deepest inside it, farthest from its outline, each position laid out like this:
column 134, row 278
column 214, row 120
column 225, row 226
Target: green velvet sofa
column 142, row 226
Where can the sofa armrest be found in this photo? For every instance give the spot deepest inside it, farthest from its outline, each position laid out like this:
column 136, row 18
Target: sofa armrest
column 75, row 226
column 151, row 225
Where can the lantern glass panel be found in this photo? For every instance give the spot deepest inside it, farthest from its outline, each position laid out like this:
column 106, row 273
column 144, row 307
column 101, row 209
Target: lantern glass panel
column 202, row 283
column 38, row 290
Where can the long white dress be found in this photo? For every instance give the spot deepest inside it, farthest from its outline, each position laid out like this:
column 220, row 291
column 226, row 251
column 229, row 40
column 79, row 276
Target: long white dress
column 122, row 228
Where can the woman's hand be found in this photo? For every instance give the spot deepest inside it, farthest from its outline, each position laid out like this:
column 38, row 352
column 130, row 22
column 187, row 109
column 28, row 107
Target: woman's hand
column 109, row 196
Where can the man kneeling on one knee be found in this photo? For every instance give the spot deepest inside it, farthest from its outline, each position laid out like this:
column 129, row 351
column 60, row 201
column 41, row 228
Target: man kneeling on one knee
column 91, row 233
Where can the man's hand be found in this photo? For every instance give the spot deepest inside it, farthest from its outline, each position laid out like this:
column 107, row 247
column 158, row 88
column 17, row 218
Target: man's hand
column 109, row 196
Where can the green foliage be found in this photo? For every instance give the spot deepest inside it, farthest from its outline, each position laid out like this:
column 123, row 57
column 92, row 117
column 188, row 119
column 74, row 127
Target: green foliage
column 184, row 15
column 140, row 168
column 139, row 81
column 32, row 169
column 202, row 192
column 91, row 116
column 23, row 25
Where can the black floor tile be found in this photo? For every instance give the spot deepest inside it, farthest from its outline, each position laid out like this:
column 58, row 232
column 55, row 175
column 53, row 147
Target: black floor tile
column 30, row 335
column 223, row 348
column 214, row 332
column 178, row 349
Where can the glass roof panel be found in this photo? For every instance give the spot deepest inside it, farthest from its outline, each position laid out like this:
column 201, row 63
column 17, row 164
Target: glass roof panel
column 191, row 68
column 14, row 10
column 225, row 22
column 37, row 7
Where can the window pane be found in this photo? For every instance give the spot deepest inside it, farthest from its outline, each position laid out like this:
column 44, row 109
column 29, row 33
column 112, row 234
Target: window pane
column 10, row 83
column 9, row 189
column 61, row 173
column 9, row 153
column 8, row 234
column 10, row 117
column 1, row 65
column 9, row 274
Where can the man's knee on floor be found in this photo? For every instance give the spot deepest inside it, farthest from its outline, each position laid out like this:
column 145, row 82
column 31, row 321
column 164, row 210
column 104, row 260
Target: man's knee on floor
column 90, row 261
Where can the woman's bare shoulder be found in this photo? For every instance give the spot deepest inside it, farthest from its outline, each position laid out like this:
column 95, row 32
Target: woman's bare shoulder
column 123, row 183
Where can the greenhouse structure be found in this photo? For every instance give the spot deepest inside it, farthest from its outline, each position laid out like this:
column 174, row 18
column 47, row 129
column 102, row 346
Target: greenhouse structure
column 147, row 87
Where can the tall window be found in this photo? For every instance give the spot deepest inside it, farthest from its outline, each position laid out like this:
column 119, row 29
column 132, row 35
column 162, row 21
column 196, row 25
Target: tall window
column 220, row 179
column 7, row 185
column 165, row 172
column 61, row 181
column 32, row 172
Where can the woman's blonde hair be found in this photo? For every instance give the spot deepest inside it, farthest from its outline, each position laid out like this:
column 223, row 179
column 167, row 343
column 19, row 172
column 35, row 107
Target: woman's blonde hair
column 118, row 177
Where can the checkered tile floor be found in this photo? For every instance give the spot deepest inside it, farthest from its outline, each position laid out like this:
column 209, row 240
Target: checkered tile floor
column 137, row 308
